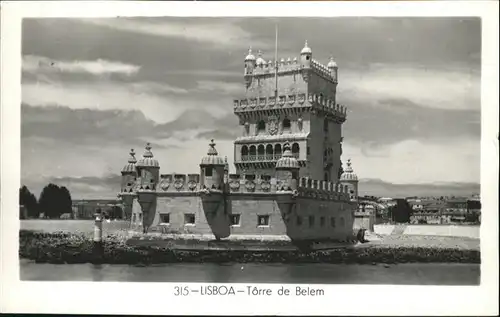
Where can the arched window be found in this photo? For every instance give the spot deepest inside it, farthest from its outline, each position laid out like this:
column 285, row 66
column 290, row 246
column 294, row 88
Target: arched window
column 261, row 126
column 269, row 152
column 325, row 125
column 244, row 153
column 287, row 124
column 261, row 152
column 277, row 151
column 295, row 150
column 253, row 150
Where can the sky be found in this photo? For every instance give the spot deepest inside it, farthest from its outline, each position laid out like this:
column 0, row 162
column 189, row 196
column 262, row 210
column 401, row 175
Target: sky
column 92, row 89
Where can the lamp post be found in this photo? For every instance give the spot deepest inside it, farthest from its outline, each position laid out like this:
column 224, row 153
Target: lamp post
column 98, row 247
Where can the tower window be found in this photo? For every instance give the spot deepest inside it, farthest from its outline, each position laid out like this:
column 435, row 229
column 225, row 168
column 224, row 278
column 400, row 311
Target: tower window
column 244, row 150
column 165, row 218
column 260, row 149
column 295, row 149
column 269, row 149
column 261, row 126
column 189, row 219
column 253, row 151
column 287, row 124
column 208, row 171
column 311, row 221
column 299, row 220
column 263, row 220
column 307, row 57
column 235, row 220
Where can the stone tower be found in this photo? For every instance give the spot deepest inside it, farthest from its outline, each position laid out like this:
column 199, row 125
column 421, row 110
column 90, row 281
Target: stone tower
column 290, row 101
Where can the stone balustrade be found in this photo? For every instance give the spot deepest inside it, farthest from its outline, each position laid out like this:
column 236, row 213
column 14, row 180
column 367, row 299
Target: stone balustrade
column 251, row 183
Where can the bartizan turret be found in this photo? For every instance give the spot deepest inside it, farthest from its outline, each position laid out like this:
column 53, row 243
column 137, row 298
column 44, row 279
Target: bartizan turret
column 212, row 169
column 148, row 170
column 305, row 61
column 250, row 63
column 287, row 170
column 129, row 177
column 129, row 173
column 333, row 68
column 349, row 181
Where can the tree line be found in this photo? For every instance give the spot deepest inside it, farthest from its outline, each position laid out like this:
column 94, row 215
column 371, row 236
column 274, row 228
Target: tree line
column 53, row 202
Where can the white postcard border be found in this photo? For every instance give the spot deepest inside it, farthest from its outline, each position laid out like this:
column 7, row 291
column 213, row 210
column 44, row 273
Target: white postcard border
column 158, row 298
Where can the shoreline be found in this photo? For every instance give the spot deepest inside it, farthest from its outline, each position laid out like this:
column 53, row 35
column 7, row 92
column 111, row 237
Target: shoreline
column 68, row 248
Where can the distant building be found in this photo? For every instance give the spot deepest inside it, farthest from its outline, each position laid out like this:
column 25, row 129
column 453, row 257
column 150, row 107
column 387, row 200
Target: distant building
column 430, row 212
column 86, row 208
column 416, row 204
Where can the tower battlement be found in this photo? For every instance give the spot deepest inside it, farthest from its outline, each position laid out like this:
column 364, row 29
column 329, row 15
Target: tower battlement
column 290, row 66
column 246, row 184
column 300, row 101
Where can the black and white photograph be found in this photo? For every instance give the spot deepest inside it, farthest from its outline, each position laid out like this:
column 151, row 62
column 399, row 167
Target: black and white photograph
column 244, row 156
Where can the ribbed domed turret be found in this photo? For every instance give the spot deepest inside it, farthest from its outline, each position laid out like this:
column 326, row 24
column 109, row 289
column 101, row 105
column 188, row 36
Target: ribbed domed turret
column 349, row 174
column 332, row 63
column 306, row 49
column 287, row 161
column 147, row 159
column 212, row 157
column 130, row 167
column 250, row 56
column 260, row 60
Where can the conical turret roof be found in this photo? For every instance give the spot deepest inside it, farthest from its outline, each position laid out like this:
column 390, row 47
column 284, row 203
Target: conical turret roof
column 212, row 157
column 130, row 167
column 148, row 159
column 306, row 49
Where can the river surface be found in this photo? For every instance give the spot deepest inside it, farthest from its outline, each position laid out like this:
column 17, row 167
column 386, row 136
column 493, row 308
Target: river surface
column 409, row 273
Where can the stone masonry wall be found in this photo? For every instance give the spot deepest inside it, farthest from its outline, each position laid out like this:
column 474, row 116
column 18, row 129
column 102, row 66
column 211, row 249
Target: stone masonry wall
column 307, row 219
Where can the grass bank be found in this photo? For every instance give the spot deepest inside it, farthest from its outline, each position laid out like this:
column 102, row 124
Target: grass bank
column 60, row 248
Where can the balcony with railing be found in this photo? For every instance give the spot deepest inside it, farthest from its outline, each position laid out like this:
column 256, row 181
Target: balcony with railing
column 265, row 157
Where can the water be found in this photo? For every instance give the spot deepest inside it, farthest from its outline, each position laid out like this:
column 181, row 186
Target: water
column 409, row 273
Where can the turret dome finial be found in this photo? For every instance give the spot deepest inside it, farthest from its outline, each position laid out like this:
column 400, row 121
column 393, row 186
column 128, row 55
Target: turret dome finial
column 132, row 157
column 250, row 56
column 130, row 167
column 147, row 159
column 211, row 149
column 260, row 60
column 331, row 63
column 148, row 152
column 306, row 49
column 349, row 174
column 212, row 157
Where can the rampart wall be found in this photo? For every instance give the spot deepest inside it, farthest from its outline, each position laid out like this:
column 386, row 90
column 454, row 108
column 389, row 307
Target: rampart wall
column 245, row 206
